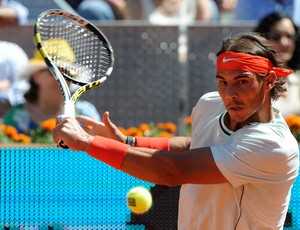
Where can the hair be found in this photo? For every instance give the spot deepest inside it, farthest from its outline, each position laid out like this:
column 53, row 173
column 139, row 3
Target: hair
column 265, row 27
column 32, row 94
column 254, row 44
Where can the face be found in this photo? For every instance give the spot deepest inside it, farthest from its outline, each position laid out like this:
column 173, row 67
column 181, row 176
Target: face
column 244, row 95
column 282, row 37
column 49, row 90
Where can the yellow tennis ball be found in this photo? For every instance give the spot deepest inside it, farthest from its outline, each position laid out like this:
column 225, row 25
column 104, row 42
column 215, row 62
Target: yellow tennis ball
column 139, row 200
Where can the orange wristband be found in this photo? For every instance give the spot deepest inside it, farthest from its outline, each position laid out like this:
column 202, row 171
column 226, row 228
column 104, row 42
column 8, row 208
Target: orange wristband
column 108, row 151
column 159, row 143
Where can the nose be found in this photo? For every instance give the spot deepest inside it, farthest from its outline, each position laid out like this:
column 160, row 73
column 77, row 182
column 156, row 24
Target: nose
column 231, row 92
column 284, row 40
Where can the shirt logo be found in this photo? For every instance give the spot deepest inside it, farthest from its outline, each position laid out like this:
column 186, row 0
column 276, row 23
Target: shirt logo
column 228, row 59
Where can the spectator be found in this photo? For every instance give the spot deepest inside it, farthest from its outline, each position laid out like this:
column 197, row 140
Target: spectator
column 166, row 11
column 43, row 99
column 256, row 10
column 226, row 9
column 13, row 13
column 12, row 58
column 103, row 10
column 283, row 34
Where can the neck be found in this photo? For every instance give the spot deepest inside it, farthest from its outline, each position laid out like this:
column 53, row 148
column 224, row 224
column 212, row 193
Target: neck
column 263, row 115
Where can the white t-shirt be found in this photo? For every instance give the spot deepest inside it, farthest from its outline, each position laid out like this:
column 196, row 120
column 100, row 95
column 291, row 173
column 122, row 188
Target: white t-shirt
column 260, row 161
column 187, row 12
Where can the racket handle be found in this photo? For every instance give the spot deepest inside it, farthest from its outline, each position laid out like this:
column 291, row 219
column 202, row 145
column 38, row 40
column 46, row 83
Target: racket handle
column 69, row 111
column 61, row 144
column 60, row 118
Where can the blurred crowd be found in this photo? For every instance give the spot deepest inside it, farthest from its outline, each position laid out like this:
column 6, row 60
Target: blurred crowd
column 276, row 20
column 168, row 11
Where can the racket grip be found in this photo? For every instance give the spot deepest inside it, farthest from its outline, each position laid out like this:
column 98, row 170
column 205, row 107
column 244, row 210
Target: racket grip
column 61, row 144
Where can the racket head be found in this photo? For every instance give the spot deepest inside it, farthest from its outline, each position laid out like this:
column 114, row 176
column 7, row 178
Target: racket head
column 79, row 50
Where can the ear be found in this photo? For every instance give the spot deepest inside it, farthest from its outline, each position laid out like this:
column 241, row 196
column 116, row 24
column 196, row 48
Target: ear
column 270, row 80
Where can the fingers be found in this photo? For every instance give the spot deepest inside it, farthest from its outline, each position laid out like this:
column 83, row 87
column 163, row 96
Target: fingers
column 107, row 122
column 115, row 133
column 105, row 117
column 87, row 121
column 63, row 127
column 71, row 133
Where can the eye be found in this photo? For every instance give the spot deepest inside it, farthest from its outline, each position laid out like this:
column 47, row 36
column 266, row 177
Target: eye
column 221, row 82
column 242, row 82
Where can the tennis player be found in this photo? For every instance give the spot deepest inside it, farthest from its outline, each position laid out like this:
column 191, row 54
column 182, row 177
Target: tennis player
column 238, row 167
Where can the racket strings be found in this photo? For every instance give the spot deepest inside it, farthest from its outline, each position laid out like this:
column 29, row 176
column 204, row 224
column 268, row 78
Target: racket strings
column 76, row 50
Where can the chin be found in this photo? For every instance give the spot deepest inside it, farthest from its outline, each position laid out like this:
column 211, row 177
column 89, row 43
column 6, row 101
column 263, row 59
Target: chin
column 237, row 117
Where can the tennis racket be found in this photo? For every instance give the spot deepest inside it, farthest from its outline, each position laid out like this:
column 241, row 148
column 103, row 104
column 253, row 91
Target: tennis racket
column 76, row 51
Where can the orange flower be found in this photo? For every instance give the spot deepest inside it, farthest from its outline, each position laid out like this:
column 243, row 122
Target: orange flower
column 11, row 131
column 139, row 133
column 188, row 120
column 123, row 130
column 2, row 127
column 165, row 134
column 161, row 125
column 49, row 124
column 292, row 120
column 171, row 127
column 22, row 138
column 25, row 138
column 144, row 127
column 132, row 131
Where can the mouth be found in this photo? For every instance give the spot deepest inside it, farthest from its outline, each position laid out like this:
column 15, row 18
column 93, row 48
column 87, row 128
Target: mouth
column 234, row 108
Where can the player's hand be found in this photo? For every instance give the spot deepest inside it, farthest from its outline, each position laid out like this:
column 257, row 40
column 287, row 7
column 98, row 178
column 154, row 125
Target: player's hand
column 105, row 128
column 72, row 134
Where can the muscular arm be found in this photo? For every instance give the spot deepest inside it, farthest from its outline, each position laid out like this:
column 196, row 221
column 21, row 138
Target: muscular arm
column 179, row 144
column 195, row 166
column 175, row 167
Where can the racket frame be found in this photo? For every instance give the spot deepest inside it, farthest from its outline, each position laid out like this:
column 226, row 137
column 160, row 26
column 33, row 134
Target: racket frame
column 69, row 101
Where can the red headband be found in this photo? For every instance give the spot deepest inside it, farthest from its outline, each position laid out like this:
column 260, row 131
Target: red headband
column 240, row 61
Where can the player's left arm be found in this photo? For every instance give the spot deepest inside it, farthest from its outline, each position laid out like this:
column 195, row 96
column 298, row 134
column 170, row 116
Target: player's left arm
column 108, row 129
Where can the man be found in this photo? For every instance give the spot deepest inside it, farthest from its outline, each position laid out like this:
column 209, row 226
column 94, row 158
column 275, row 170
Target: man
column 12, row 59
column 12, row 56
column 103, row 10
column 238, row 167
column 43, row 98
column 13, row 13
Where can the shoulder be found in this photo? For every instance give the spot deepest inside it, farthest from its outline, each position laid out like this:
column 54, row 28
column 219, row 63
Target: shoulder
column 11, row 46
column 207, row 107
column 17, row 112
column 259, row 148
column 210, row 97
column 210, row 100
column 275, row 131
column 15, row 108
column 265, row 141
column 13, row 50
